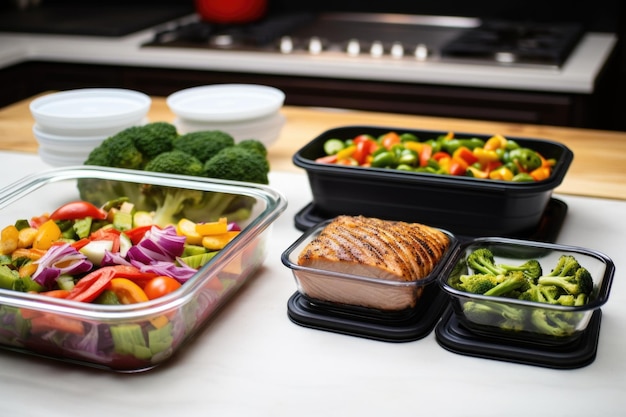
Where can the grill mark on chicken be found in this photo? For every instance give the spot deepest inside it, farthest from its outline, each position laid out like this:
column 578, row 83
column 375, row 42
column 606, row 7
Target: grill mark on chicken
column 377, row 248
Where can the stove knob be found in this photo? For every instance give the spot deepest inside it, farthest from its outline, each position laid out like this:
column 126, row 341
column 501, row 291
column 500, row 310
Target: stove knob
column 353, row 48
column 286, row 45
column 397, row 50
column 421, row 52
column 315, row 45
column 377, row 50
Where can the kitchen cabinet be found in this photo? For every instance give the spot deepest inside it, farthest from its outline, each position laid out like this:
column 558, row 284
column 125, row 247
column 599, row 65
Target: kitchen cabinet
column 562, row 109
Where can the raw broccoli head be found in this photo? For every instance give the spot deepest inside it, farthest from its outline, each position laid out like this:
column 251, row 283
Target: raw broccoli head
column 254, row 144
column 239, row 164
column 153, row 139
column 170, row 202
column 176, row 162
column 117, row 151
column 203, row 144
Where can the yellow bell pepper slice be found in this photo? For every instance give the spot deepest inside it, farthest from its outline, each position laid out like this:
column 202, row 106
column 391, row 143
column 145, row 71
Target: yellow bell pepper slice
column 217, row 242
column 48, row 233
column 8, row 239
column 187, row 228
column 212, row 228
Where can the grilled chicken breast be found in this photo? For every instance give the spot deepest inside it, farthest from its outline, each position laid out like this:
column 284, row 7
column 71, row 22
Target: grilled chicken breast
column 374, row 248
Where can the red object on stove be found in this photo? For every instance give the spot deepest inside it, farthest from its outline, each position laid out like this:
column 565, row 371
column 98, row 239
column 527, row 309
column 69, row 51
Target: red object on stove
column 231, row 11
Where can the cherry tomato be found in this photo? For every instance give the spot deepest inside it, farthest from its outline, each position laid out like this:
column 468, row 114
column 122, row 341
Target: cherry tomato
column 78, row 210
column 159, row 286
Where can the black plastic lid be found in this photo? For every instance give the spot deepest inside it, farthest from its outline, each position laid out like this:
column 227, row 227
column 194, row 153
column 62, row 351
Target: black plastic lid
column 577, row 354
column 404, row 326
column 547, row 230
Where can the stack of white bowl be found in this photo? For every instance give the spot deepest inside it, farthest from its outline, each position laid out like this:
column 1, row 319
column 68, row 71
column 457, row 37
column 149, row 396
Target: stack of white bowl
column 70, row 124
column 245, row 111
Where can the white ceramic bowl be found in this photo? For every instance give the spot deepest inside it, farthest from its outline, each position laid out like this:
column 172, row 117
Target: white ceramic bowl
column 89, row 111
column 220, row 103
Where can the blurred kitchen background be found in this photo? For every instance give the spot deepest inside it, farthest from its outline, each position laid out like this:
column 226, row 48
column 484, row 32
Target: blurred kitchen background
column 539, row 37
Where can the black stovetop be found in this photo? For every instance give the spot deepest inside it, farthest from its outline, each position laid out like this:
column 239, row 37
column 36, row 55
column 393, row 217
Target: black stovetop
column 109, row 20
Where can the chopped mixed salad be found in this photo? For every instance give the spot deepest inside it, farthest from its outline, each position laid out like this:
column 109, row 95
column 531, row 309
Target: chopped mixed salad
column 111, row 255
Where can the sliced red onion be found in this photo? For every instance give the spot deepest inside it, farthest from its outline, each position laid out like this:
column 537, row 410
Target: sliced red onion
column 111, row 259
column 233, row 227
column 60, row 259
column 179, row 273
column 158, row 245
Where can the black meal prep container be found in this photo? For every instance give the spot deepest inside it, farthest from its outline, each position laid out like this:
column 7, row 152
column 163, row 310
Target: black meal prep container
column 464, row 205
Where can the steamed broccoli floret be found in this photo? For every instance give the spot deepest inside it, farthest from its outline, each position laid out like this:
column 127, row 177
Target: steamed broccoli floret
column 495, row 314
column 576, row 282
column 239, row 164
column 541, row 293
column 482, row 260
column 203, row 144
column 153, row 139
column 478, row 283
column 510, row 282
column 552, row 323
column 572, row 300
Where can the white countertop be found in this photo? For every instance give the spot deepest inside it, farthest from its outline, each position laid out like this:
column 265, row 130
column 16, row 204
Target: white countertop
column 578, row 75
column 253, row 361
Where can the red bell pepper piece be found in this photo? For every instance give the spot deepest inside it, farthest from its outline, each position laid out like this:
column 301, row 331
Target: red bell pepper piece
column 91, row 285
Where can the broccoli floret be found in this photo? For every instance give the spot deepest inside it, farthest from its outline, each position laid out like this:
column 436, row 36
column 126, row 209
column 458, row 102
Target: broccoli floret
column 578, row 282
column 552, row 323
column 495, row 314
column 117, row 151
column 541, row 294
column 255, row 145
column 203, row 144
column 572, row 300
column 566, row 265
column 238, row 164
column 153, row 139
column 482, row 260
column 478, row 283
column 176, row 162
column 510, row 282
column 169, row 201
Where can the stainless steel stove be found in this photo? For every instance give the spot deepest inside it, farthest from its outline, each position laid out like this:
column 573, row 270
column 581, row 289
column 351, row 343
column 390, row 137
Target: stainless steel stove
column 385, row 36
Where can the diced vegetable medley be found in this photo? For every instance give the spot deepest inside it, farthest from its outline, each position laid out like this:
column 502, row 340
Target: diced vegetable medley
column 496, row 158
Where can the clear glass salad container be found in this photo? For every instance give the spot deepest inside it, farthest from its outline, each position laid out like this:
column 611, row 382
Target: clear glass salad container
column 162, row 325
